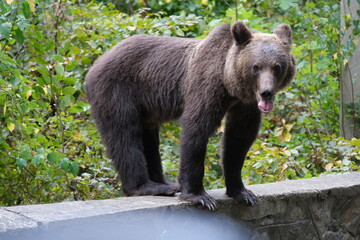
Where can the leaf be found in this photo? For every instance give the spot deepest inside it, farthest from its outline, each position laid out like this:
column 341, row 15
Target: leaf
column 67, row 46
column 40, row 90
column 70, row 80
column 294, row 152
column 283, row 134
column 65, row 101
column 286, row 137
column 58, row 58
column 69, row 90
column 346, row 162
column 287, row 153
column 77, row 136
column 43, row 70
column 59, row 68
column 11, row 126
column 53, row 157
column 257, row 165
column 19, row 36
column 24, row 108
column 179, row 32
column 32, row 5
column 329, row 166
column 284, row 4
column 40, row 60
column 75, row 50
column 71, row 65
column 21, row 163
column 279, row 131
column 355, row 142
column 25, row 152
column 131, row 28
column 6, row 59
column 64, row 164
column 26, row 9
column 49, row 45
column 37, row 159
column 5, row 30
column 86, row 60
column 39, row 47
column 28, row 93
column 22, row 23
column 289, row 126
column 74, row 168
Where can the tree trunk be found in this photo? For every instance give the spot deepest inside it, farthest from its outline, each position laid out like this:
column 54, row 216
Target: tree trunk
column 350, row 79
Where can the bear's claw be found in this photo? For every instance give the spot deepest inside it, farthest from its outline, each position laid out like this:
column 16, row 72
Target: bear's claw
column 203, row 199
column 243, row 196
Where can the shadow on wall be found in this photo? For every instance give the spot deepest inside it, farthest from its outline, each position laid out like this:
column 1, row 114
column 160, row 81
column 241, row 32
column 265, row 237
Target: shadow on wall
column 159, row 224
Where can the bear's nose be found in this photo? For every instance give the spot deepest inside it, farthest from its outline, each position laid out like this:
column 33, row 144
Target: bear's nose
column 267, row 94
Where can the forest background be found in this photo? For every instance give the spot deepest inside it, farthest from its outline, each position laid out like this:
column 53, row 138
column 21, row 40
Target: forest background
column 50, row 150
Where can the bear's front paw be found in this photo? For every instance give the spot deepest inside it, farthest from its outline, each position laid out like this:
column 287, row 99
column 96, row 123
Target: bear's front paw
column 243, row 195
column 203, row 199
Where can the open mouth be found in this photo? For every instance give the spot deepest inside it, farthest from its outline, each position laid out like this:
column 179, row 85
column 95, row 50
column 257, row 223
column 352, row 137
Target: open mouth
column 266, row 105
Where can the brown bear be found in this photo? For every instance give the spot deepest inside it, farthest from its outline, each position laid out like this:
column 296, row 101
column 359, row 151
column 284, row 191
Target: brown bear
column 146, row 80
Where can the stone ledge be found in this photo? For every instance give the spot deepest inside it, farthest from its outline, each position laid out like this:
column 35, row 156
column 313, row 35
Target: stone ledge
column 314, row 204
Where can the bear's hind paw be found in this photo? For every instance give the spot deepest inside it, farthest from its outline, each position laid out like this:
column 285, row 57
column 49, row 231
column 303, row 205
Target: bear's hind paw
column 155, row 189
column 175, row 186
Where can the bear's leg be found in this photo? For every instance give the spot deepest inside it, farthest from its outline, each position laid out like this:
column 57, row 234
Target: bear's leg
column 242, row 126
column 122, row 135
column 151, row 144
column 197, row 126
column 193, row 150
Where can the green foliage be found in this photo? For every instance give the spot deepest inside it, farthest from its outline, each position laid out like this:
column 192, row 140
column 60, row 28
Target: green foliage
column 205, row 8
column 49, row 147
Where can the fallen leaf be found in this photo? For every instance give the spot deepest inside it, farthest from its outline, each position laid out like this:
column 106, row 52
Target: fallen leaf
column 329, row 166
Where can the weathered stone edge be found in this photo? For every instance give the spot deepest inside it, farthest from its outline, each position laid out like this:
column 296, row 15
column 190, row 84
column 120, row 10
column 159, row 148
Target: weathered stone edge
column 36, row 216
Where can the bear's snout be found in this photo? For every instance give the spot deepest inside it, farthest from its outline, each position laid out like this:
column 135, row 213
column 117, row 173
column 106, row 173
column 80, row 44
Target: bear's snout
column 265, row 93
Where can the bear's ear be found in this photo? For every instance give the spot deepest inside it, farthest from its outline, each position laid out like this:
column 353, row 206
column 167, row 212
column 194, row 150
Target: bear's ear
column 284, row 32
column 241, row 33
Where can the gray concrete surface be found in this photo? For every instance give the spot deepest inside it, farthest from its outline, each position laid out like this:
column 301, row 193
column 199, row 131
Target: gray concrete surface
column 317, row 208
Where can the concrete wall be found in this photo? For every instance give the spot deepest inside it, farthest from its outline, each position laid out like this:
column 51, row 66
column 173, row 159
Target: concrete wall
column 318, row 208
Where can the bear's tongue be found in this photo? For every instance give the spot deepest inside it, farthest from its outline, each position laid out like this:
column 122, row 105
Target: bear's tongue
column 266, row 106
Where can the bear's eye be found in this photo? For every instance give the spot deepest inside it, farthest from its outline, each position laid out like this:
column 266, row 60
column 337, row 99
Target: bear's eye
column 277, row 68
column 256, row 68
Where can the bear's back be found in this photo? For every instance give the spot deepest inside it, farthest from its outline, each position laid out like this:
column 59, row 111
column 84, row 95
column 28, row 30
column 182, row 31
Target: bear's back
column 141, row 67
column 140, row 57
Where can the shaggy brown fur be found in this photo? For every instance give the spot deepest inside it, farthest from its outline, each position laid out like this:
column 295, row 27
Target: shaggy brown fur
column 145, row 81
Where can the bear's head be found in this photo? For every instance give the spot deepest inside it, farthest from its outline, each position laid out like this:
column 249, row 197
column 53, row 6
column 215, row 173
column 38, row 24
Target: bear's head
column 258, row 65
